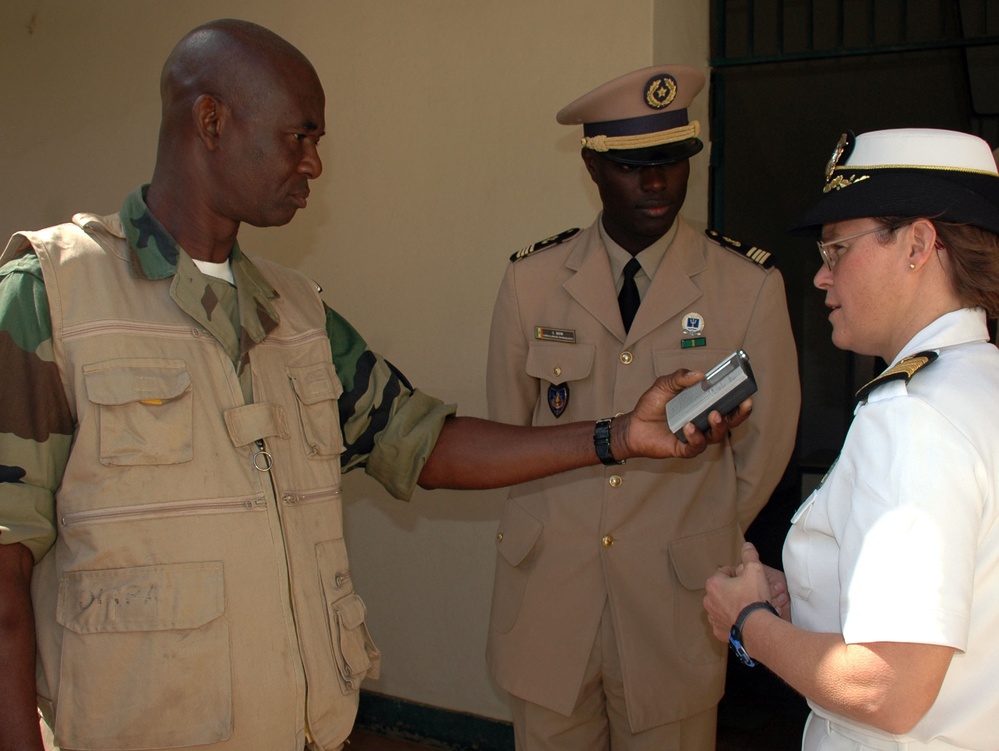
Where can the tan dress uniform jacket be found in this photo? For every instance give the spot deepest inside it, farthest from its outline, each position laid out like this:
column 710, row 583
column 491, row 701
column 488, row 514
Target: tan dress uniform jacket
column 646, row 534
column 199, row 588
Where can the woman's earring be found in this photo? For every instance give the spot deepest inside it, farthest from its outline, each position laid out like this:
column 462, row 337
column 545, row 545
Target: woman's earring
column 912, row 266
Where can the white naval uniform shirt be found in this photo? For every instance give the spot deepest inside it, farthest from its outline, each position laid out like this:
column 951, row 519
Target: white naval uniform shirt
column 901, row 541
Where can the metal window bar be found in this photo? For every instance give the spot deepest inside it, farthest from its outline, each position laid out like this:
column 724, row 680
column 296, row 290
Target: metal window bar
column 799, row 29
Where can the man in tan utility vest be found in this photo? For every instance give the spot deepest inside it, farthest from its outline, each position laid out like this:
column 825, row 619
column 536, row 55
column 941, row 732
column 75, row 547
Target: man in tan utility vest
column 174, row 424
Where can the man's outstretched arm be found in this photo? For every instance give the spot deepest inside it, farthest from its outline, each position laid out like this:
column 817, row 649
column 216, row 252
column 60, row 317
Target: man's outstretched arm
column 474, row 454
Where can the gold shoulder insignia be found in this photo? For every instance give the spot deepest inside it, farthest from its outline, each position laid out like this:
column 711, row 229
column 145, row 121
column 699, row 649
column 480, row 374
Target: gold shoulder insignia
column 750, row 252
column 903, row 370
column 548, row 242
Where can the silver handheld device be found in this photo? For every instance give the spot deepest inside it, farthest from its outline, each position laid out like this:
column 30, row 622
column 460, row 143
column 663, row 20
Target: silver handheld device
column 723, row 388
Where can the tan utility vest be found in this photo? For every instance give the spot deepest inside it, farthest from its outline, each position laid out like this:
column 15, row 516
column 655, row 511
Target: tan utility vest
column 198, row 592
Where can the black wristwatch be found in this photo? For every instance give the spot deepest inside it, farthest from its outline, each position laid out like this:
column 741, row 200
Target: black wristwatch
column 735, row 635
column 601, row 441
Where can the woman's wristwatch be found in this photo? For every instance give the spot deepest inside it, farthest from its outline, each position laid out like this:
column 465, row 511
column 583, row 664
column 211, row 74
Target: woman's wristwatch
column 735, row 635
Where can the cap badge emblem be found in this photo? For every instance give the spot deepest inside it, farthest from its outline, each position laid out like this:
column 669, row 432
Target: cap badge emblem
column 839, row 182
column 660, row 92
column 843, row 148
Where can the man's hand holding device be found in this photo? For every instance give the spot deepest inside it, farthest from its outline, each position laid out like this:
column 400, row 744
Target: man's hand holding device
column 723, row 388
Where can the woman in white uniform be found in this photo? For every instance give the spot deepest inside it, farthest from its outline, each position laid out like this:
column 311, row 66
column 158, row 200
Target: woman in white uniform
column 892, row 564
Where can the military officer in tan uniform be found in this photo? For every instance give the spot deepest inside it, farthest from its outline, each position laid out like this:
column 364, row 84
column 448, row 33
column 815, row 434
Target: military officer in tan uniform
column 597, row 630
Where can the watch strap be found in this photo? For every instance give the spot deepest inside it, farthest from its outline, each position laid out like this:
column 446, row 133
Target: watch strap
column 601, row 441
column 735, row 635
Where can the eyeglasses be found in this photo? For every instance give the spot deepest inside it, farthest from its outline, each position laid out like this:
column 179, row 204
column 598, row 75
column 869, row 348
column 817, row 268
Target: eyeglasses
column 833, row 250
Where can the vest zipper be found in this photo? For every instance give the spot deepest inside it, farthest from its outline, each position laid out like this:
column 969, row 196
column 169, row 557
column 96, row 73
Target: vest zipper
column 172, row 508
column 311, row 496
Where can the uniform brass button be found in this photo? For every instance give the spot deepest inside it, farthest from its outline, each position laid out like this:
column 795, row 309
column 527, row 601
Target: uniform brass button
column 499, row 537
column 606, row 541
column 626, row 358
column 558, row 370
column 615, row 481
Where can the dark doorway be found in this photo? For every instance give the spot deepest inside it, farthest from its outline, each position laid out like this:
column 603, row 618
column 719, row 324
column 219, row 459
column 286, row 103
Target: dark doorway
column 788, row 77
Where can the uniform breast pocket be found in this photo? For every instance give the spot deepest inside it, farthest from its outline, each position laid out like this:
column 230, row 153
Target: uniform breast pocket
column 799, row 551
column 145, row 410
column 558, row 367
column 702, row 359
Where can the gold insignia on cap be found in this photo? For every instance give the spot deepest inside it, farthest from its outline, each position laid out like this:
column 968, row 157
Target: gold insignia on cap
column 660, row 92
column 837, row 154
column 839, row 182
column 844, row 147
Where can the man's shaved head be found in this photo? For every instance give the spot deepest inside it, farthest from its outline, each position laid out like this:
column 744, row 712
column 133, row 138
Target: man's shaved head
column 243, row 112
column 234, row 61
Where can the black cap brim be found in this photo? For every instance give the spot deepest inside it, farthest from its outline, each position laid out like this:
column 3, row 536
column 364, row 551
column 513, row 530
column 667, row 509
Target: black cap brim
column 667, row 153
column 964, row 197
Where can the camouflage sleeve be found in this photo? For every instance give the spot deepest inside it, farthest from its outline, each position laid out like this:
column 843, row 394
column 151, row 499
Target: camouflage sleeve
column 36, row 426
column 389, row 428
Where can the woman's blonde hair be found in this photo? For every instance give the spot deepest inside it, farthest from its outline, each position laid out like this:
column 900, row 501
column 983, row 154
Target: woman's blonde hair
column 974, row 260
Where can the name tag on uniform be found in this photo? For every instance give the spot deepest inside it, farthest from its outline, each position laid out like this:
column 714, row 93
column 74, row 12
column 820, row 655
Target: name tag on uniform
column 555, row 335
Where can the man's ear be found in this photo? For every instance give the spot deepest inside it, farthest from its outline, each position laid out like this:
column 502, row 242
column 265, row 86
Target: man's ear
column 209, row 116
column 589, row 159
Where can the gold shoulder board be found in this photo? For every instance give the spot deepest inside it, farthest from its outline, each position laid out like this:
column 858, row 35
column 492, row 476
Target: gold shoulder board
column 751, row 252
column 548, row 242
column 903, row 370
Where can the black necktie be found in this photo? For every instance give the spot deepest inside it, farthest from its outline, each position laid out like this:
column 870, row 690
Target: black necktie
column 628, row 299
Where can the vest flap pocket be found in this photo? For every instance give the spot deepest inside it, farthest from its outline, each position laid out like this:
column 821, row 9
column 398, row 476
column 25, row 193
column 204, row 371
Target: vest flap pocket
column 125, row 381
column 558, row 363
column 143, row 598
column 315, row 383
column 145, row 411
column 317, row 389
column 350, row 611
column 518, row 534
column 354, row 653
column 697, row 557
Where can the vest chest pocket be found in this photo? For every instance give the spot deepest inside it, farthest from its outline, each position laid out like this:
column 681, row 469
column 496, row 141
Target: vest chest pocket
column 317, row 390
column 145, row 410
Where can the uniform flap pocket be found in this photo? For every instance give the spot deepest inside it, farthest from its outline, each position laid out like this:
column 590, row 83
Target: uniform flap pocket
column 558, row 363
column 350, row 611
column 697, row 557
column 250, row 422
column 140, row 380
column 666, row 361
column 142, row 598
column 518, row 533
column 315, row 383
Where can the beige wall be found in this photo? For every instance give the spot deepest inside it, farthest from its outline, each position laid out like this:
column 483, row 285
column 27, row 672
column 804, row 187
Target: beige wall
column 442, row 158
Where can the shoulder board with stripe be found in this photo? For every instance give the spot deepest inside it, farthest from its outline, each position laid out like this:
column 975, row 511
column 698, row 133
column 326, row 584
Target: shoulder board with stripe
column 548, row 242
column 750, row 252
column 903, row 370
